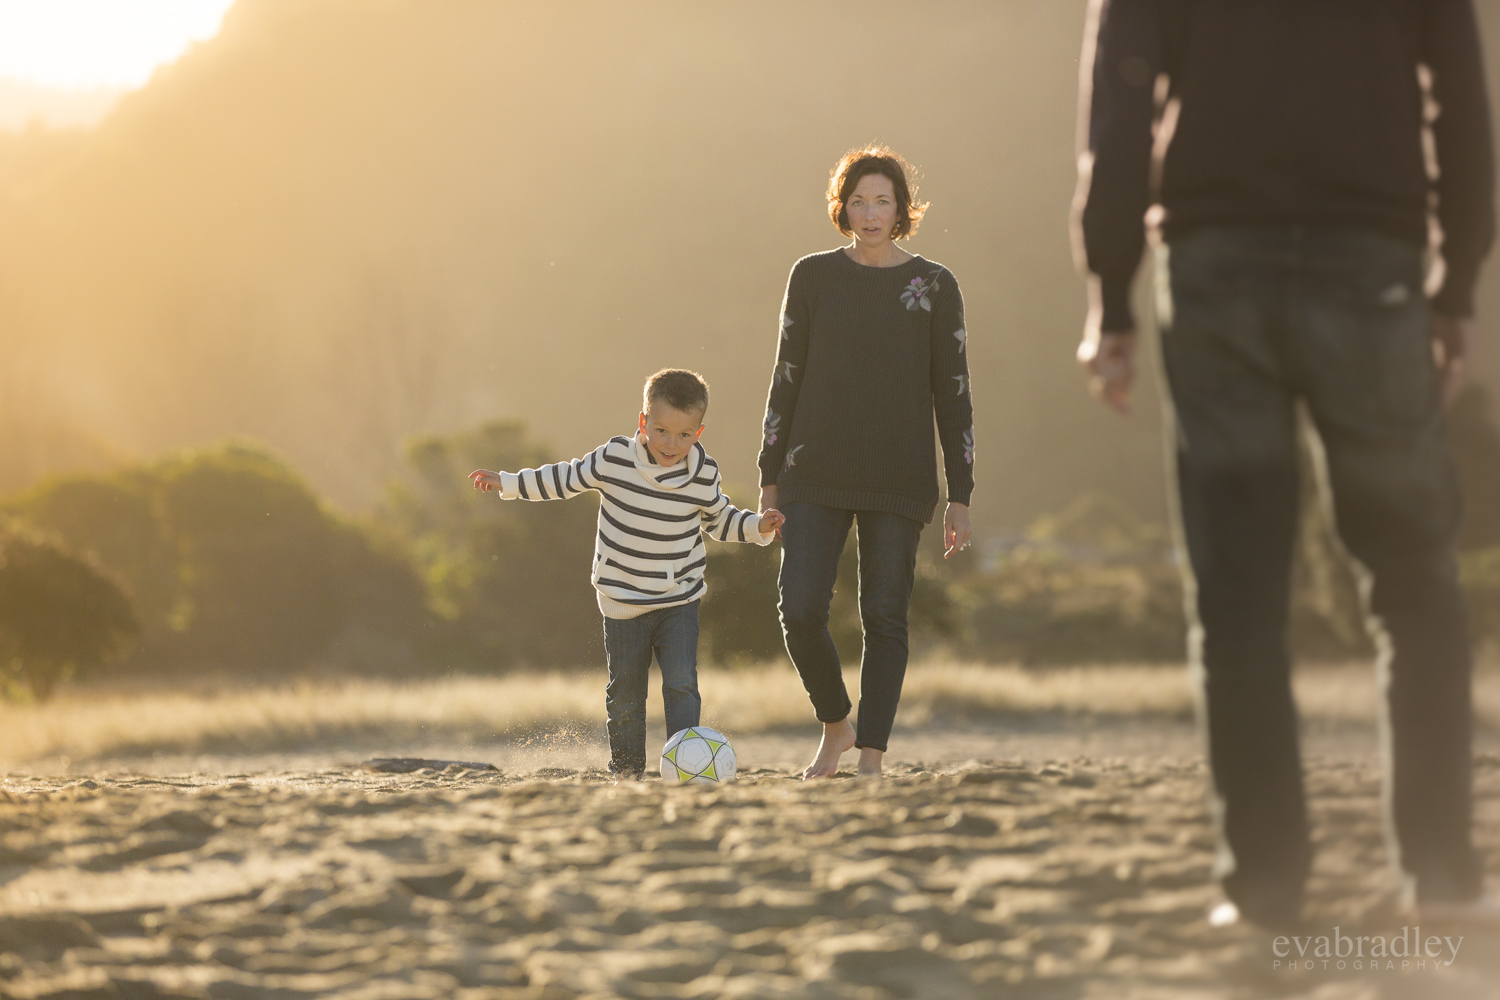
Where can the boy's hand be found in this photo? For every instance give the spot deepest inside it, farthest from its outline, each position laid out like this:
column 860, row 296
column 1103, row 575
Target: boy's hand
column 771, row 521
column 485, row 480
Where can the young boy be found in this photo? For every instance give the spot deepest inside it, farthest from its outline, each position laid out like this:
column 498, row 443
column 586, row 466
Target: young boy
column 660, row 494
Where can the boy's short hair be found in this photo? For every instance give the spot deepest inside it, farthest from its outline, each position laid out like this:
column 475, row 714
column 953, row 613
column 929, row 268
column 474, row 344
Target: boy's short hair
column 678, row 388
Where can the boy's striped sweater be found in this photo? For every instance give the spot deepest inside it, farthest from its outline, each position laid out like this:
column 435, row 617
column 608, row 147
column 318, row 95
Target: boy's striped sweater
column 649, row 551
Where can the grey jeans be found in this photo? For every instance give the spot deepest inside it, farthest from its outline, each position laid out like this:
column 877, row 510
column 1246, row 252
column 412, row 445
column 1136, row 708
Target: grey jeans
column 672, row 635
column 1254, row 321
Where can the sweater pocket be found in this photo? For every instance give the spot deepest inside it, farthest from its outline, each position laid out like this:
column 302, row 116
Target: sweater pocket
column 647, row 577
column 691, row 567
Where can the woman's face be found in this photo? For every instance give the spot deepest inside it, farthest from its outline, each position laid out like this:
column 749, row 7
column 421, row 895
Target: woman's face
column 871, row 208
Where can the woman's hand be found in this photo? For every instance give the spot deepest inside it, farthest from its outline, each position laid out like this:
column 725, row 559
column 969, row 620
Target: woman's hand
column 485, row 480
column 767, row 498
column 955, row 529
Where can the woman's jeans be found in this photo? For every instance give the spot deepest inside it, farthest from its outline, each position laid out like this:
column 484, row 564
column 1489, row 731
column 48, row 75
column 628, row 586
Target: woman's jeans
column 1255, row 322
column 672, row 634
column 812, row 539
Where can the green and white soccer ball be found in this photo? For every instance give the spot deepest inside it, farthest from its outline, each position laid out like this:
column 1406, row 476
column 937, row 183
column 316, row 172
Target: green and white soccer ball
column 698, row 755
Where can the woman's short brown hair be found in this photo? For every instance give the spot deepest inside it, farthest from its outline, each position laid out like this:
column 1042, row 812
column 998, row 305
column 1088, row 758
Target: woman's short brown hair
column 875, row 160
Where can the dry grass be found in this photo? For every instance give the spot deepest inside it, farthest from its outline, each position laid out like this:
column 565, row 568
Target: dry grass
column 89, row 723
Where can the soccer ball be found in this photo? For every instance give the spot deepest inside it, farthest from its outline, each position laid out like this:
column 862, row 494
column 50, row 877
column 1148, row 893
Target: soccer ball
column 698, row 755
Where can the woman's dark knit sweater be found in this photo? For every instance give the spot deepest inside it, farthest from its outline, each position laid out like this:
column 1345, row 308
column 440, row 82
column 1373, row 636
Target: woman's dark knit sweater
column 867, row 354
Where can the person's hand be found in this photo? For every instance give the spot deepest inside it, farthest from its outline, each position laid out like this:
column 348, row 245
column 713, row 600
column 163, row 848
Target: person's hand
column 485, row 480
column 955, row 529
column 1451, row 336
column 1109, row 359
column 771, row 520
column 768, row 498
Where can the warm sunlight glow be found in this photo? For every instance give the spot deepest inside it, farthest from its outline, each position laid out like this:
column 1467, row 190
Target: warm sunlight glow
column 80, row 44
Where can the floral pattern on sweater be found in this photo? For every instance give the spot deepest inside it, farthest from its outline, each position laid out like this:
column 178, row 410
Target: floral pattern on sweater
column 772, row 427
column 915, row 295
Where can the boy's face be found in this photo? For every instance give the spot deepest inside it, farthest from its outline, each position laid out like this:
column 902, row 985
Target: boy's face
column 669, row 432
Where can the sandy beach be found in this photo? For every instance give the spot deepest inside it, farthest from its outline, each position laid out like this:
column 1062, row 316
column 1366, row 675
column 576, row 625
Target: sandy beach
column 1041, row 855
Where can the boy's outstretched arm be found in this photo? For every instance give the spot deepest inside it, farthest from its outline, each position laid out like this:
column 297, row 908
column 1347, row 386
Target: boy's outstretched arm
column 558, row 481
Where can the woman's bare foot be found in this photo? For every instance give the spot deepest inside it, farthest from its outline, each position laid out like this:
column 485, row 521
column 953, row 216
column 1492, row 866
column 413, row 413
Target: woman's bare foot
column 869, row 762
column 837, row 737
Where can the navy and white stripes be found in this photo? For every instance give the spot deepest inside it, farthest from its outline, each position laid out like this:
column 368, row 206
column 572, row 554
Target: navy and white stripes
column 649, row 551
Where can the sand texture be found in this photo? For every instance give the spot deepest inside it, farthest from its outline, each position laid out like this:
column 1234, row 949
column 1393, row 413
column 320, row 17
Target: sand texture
column 1022, row 877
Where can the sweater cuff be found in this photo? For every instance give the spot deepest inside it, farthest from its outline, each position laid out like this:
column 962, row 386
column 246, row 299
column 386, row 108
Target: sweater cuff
column 1116, row 316
column 767, row 478
column 962, row 495
column 510, row 486
column 1456, row 297
column 757, row 537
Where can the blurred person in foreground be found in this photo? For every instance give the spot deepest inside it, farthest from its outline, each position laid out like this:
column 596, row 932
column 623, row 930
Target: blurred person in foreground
column 1276, row 151
column 660, row 493
column 871, row 347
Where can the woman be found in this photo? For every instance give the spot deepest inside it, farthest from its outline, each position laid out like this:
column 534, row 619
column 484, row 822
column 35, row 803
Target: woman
column 872, row 343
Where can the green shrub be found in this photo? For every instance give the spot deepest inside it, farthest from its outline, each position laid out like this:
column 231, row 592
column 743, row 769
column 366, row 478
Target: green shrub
column 1091, row 583
column 273, row 576
column 61, row 614
column 1042, row 607
column 511, row 579
column 116, row 516
column 235, row 563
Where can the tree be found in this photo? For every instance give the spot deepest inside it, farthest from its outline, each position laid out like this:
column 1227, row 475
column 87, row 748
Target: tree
column 511, row 578
column 234, row 562
column 61, row 614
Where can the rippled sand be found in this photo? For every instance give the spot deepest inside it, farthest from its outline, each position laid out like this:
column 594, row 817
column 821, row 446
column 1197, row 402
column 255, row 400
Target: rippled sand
column 1037, row 875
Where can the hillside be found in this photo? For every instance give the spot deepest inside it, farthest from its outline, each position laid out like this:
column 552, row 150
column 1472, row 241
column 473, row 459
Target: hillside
column 341, row 222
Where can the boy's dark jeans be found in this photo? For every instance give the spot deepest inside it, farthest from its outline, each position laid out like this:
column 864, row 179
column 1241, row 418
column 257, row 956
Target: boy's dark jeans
column 812, row 540
column 1254, row 321
column 672, row 634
